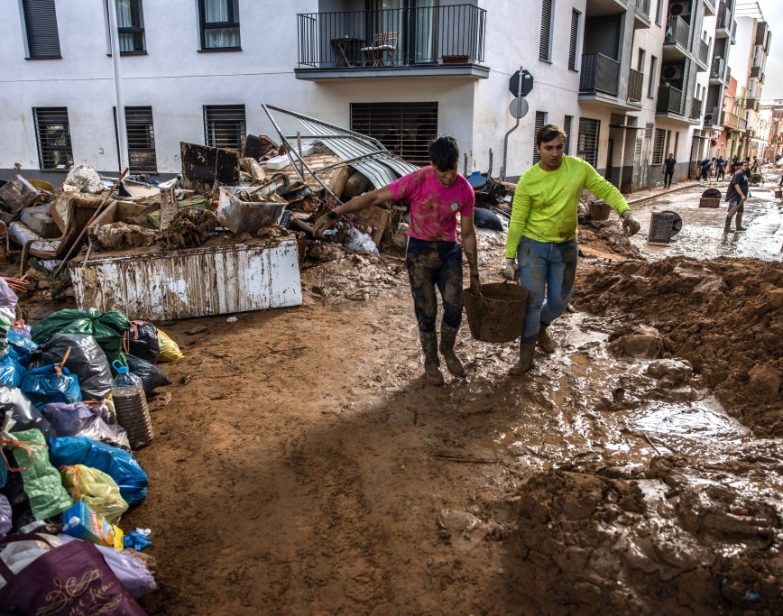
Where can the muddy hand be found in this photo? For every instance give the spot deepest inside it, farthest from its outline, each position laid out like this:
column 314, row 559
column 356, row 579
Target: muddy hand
column 511, row 270
column 324, row 223
column 630, row 225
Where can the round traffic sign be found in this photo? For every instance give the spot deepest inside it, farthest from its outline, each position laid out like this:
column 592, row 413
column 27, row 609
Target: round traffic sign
column 518, row 108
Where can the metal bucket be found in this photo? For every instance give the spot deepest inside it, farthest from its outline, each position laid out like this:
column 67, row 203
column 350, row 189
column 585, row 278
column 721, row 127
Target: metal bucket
column 599, row 210
column 498, row 314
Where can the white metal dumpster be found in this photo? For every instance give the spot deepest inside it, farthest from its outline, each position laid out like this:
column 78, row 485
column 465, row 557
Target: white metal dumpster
column 178, row 284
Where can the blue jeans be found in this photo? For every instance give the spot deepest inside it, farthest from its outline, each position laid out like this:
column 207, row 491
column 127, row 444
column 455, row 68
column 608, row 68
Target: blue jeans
column 431, row 265
column 546, row 271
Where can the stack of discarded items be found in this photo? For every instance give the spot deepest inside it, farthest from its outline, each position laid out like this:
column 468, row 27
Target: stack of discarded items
column 73, row 407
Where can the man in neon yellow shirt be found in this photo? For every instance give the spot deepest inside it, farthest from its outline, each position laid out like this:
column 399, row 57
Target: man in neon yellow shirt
column 541, row 243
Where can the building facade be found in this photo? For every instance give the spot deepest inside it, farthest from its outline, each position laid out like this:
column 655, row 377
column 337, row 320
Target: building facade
column 629, row 80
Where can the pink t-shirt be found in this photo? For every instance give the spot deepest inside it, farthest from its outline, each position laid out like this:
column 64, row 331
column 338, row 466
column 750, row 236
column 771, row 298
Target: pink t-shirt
column 434, row 206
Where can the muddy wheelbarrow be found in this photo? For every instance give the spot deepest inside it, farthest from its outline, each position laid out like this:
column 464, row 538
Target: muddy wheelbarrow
column 498, row 313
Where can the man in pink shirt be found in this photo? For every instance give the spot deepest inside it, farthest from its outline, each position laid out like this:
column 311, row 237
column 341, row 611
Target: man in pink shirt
column 436, row 193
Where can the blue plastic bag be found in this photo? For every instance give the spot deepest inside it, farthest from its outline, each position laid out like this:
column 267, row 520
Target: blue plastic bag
column 22, row 345
column 11, row 371
column 117, row 463
column 51, row 384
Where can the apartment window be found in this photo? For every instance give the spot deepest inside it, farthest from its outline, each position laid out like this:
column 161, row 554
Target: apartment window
column 40, row 21
column 660, row 139
column 545, row 42
column 404, row 128
column 658, row 12
column 219, row 21
column 587, row 140
column 224, row 126
column 54, row 138
column 567, row 122
column 640, row 61
column 653, row 77
column 574, row 40
column 141, row 139
column 540, row 121
column 130, row 27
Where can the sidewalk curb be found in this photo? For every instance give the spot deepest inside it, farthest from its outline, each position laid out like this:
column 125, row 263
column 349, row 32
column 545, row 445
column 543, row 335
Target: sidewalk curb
column 641, row 200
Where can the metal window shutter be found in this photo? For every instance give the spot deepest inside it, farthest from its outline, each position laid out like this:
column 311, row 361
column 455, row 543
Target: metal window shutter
column 660, row 138
column 403, row 128
column 40, row 19
column 224, row 126
column 546, row 30
column 587, row 142
column 567, row 121
column 574, row 38
column 540, row 121
column 54, row 137
column 141, row 139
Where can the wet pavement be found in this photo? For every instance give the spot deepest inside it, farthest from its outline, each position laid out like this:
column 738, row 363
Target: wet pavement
column 702, row 235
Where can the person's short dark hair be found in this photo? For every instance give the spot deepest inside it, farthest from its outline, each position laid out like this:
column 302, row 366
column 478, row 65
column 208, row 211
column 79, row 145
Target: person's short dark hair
column 548, row 132
column 444, row 153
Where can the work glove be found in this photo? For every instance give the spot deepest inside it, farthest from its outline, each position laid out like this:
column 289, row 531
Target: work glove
column 475, row 283
column 324, row 223
column 511, row 269
column 630, row 226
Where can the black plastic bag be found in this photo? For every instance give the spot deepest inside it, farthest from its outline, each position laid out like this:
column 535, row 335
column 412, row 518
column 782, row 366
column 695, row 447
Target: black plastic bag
column 151, row 376
column 23, row 412
column 86, row 360
column 143, row 341
column 487, row 219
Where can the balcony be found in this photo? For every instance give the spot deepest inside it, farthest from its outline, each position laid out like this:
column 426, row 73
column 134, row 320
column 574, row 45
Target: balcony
column 635, row 82
column 669, row 100
column 709, row 8
column 703, row 59
column 730, row 120
column 752, row 104
column 761, row 32
column 696, row 106
column 600, row 74
column 641, row 14
column 725, row 27
column 718, row 71
column 425, row 41
column 713, row 118
column 675, row 45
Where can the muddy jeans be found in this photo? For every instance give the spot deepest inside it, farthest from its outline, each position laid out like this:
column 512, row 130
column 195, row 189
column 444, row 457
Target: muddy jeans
column 432, row 264
column 546, row 269
column 667, row 179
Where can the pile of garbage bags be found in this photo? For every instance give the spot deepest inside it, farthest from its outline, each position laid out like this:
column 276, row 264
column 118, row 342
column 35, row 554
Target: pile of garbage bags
column 68, row 473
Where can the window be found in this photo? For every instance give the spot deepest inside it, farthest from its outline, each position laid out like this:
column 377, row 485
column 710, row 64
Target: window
column 40, row 20
column 224, row 126
column 658, row 11
column 587, row 140
column 574, row 40
column 567, row 122
column 219, row 24
column 54, row 138
column 404, row 128
column 130, row 27
column 640, row 61
column 545, row 43
column 652, row 81
column 540, row 121
column 141, row 139
column 660, row 138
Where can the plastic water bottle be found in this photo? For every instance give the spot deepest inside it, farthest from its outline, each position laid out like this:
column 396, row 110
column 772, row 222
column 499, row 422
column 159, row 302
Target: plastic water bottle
column 130, row 404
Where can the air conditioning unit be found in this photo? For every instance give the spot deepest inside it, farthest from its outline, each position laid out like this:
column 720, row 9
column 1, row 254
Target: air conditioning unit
column 680, row 9
column 672, row 72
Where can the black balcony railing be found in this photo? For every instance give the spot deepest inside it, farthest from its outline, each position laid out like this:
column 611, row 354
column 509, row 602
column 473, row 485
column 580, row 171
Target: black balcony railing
column 704, row 52
column 677, row 31
column 452, row 34
column 599, row 74
column 724, row 18
column 635, row 81
column 696, row 106
column 669, row 100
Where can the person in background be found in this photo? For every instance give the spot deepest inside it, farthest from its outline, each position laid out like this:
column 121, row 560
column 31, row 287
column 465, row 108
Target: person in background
column 541, row 241
column 736, row 194
column 720, row 165
column 668, row 170
column 437, row 194
column 706, row 165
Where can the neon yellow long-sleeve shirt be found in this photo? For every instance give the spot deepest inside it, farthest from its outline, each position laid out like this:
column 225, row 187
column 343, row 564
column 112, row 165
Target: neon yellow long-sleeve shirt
column 546, row 202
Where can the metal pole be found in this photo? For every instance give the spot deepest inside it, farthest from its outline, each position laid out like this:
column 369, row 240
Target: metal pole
column 122, row 132
column 513, row 128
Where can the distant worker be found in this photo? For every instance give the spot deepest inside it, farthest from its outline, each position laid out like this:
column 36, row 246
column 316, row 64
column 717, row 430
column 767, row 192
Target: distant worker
column 541, row 241
column 720, row 166
column 437, row 193
column 668, row 170
column 736, row 195
column 706, row 165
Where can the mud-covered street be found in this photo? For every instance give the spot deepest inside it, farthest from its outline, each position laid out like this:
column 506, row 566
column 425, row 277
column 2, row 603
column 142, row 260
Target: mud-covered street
column 303, row 467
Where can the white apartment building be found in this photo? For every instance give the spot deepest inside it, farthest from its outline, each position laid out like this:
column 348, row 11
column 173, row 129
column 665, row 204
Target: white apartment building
column 627, row 79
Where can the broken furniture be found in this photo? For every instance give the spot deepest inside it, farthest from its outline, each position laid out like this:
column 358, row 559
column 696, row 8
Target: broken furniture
column 381, row 51
column 202, row 165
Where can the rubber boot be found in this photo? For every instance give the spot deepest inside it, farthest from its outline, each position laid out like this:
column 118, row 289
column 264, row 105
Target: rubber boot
column 448, row 336
column 739, row 226
column 527, row 350
column 727, row 226
column 545, row 341
column 429, row 344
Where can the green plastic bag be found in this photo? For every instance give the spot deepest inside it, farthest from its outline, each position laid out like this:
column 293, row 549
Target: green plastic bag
column 41, row 481
column 96, row 488
column 108, row 328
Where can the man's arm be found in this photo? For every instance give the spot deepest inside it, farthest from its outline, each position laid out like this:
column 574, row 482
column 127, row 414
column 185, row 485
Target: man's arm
column 375, row 197
column 520, row 211
column 470, row 246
